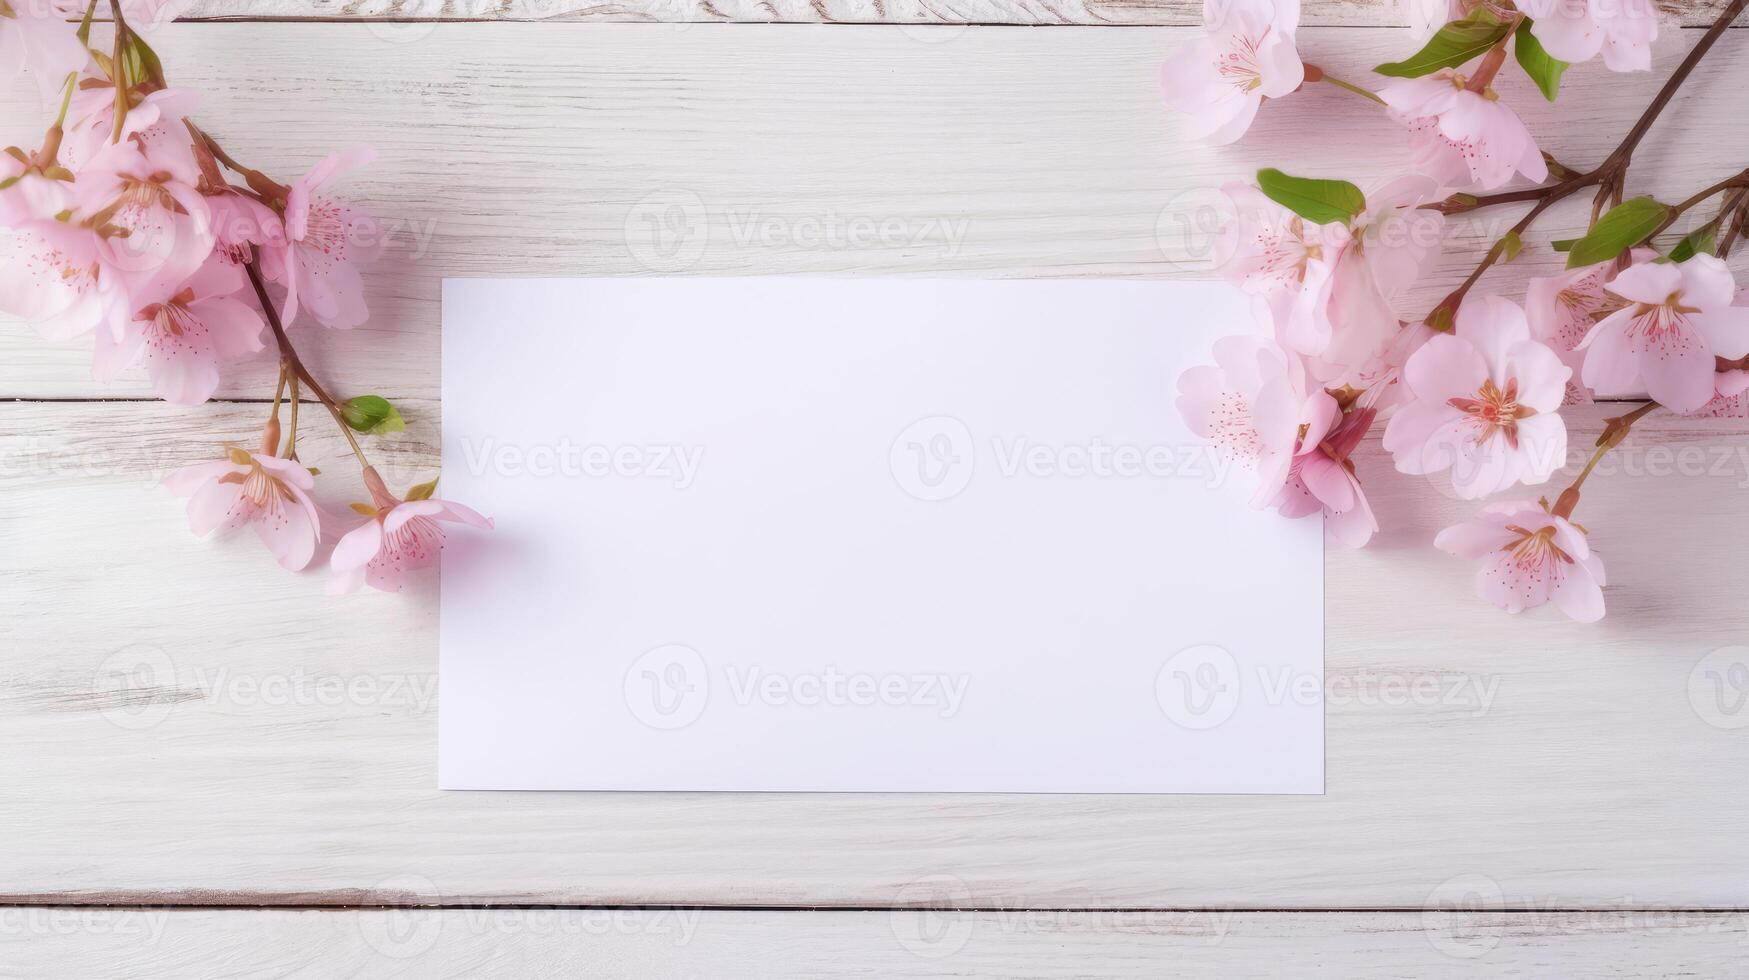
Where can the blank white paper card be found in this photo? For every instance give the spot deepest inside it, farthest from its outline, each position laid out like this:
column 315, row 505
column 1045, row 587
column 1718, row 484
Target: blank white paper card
column 859, row 536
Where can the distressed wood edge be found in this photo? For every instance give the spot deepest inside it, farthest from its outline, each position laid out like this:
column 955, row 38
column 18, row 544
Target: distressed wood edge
column 895, row 13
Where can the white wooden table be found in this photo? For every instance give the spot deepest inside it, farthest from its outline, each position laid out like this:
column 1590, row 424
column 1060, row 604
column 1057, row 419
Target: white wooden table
column 210, row 769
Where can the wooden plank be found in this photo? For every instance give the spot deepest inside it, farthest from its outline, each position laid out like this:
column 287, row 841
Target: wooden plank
column 191, row 725
column 565, row 149
column 51, row 943
column 1339, row 13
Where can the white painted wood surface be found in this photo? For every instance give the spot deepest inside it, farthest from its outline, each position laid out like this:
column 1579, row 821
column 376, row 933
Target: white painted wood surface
column 1097, row 13
column 187, row 725
column 433, row 945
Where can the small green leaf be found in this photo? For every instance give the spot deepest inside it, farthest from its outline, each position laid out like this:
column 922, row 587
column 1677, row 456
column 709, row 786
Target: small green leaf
column 423, row 491
column 1323, row 202
column 1513, row 245
column 8, row 182
column 365, row 510
column 1702, row 240
column 1563, row 244
column 1456, row 43
column 372, row 414
column 1543, row 69
column 1626, row 225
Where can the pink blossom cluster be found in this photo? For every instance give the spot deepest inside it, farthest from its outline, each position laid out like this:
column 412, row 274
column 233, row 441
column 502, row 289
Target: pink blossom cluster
column 124, row 226
column 1471, row 393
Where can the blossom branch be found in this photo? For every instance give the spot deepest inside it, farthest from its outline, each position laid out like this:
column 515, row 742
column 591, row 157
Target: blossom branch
column 1609, row 173
column 1614, row 431
column 1736, row 182
column 1736, row 227
column 289, row 355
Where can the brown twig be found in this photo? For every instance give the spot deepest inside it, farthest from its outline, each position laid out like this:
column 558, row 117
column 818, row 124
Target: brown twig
column 1614, row 431
column 290, row 355
column 1609, row 173
column 1735, row 230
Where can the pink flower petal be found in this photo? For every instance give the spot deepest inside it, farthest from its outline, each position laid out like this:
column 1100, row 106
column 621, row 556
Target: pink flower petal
column 357, row 547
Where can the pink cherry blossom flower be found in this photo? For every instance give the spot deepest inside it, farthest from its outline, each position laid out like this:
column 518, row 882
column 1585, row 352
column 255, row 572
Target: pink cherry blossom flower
column 1271, row 252
column 29, row 194
column 183, row 337
column 1564, row 307
column 155, row 120
column 1393, row 241
column 1668, row 341
column 1731, row 400
column 1459, row 137
column 1255, row 404
column 1578, row 30
column 36, row 38
column 1730, row 385
column 264, row 491
column 1483, row 401
column 239, row 223
column 1218, row 81
column 1529, row 557
column 52, row 276
column 400, row 536
column 327, row 242
column 1322, row 479
column 150, row 195
column 1252, row 404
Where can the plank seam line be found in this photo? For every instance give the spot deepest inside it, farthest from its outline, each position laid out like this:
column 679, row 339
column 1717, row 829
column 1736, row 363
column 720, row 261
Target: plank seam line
column 141, row 399
column 47, row 902
column 565, row 18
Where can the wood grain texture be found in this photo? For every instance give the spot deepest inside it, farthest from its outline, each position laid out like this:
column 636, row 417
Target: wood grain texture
column 192, row 725
column 51, row 943
column 576, row 149
column 1346, row 13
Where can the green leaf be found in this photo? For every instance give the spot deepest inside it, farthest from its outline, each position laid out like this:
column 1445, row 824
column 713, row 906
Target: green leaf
column 1544, row 70
column 372, row 414
column 1324, row 202
column 1514, row 245
column 1456, row 43
column 1563, row 244
column 1626, row 225
column 422, row 492
column 1702, row 240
